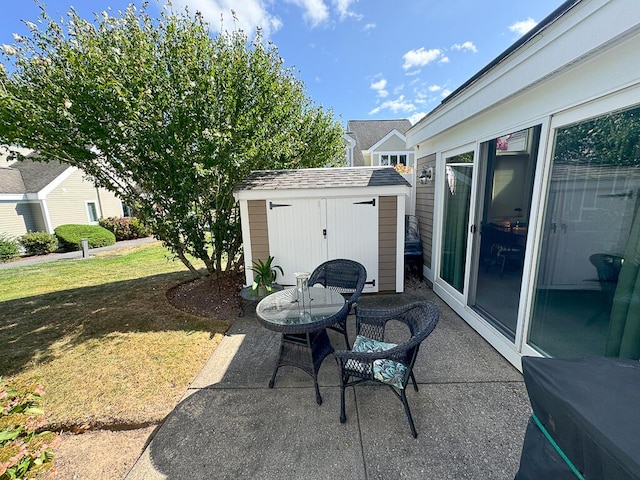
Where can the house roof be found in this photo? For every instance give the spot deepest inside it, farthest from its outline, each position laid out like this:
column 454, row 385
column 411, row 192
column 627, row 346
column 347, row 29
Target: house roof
column 315, row 178
column 367, row 133
column 28, row 176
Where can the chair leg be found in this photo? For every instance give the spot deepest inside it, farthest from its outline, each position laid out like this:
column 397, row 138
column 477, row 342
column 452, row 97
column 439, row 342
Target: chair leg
column 343, row 415
column 273, row 377
column 315, row 384
column 415, row 384
column 346, row 336
column 403, row 397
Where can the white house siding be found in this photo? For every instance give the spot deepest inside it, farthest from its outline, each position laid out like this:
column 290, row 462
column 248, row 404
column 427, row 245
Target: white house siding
column 67, row 202
column 18, row 218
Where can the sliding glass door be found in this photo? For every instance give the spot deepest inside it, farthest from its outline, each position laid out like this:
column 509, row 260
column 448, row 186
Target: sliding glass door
column 587, row 291
column 456, row 207
column 508, row 167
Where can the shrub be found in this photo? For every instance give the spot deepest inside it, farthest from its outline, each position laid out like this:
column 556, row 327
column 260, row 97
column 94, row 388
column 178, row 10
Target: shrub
column 8, row 248
column 38, row 243
column 70, row 236
column 125, row 228
column 24, row 453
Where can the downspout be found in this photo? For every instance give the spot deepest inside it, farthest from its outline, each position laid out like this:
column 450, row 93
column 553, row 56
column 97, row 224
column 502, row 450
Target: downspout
column 100, row 214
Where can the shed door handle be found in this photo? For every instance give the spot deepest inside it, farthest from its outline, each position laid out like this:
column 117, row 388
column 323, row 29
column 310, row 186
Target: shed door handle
column 370, row 202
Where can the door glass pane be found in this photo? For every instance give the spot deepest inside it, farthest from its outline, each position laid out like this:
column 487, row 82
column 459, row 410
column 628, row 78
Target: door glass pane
column 587, row 295
column 506, row 201
column 457, row 201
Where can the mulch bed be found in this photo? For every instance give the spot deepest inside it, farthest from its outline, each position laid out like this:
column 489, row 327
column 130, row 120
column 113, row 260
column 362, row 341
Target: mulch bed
column 211, row 297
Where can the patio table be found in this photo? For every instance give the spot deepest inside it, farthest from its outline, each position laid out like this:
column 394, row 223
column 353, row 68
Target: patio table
column 304, row 342
column 250, row 296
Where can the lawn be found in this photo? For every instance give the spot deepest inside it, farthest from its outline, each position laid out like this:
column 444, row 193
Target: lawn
column 100, row 334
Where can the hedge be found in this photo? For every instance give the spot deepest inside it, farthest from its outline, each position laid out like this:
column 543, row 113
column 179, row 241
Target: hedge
column 8, row 248
column 38, row 243
column 70, row 236
column 125, row 228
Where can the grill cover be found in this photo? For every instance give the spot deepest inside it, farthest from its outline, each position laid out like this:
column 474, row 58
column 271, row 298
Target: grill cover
column 591, row 409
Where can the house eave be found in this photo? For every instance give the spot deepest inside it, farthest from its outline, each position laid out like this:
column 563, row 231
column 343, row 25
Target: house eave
column 507, row 68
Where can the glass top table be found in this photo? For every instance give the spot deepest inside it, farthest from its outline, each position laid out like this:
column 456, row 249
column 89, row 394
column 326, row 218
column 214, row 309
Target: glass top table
column 304, row 342
column 283, row 312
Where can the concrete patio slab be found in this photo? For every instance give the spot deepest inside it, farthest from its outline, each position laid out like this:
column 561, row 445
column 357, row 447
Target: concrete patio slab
column 471, row 414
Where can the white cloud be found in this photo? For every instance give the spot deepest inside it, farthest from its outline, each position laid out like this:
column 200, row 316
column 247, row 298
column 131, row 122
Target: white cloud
column 379, row 86
column 523, row 26
column 445, row 93
column 250, row 14
column 416, row 117
column 435, row 88
column 370, row 26
column 444, row 60
column 396, row 106
column 466, row 46
column 420, row 57
column 343, row 8
column 315, row 11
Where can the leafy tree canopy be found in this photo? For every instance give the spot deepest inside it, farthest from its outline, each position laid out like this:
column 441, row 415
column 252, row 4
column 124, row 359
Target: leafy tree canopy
column 165, row 115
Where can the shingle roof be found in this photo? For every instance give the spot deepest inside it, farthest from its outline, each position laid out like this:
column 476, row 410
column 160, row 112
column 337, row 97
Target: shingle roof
column 310, row 178
column 367, row 133
column 29, row 176
column 11, row 181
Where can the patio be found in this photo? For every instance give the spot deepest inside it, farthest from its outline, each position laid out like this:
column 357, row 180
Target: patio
column 471, row 413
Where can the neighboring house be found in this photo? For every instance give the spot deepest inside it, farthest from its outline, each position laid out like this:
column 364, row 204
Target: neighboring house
column 376, row 143
column 531, row 223
column 38, row 196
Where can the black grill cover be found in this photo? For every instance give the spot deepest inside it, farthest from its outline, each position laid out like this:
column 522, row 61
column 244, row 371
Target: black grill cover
column 591, row 408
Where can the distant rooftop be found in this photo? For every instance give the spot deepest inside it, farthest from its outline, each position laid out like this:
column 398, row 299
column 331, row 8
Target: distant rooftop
column 29, row 176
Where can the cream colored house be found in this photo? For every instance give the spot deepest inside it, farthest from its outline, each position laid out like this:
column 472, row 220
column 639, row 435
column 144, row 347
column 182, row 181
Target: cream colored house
column 38, row 196
column 377, row 143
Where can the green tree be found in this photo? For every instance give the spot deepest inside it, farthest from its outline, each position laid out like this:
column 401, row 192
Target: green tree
column 165, row 115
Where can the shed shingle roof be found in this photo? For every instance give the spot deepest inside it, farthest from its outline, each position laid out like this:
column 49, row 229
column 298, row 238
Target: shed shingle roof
column 310, row 178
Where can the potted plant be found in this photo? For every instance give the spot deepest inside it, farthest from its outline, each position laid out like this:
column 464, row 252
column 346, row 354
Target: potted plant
column 264, row 275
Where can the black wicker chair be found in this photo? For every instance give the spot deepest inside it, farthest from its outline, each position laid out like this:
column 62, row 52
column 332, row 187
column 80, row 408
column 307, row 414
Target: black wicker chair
column 371, row 359
column 346, row 277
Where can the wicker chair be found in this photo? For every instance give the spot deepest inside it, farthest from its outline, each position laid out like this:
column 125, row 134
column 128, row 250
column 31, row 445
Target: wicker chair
column 372, row 359
column 346, row 277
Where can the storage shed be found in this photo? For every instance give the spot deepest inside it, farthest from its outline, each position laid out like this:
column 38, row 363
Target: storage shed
column 308, row 216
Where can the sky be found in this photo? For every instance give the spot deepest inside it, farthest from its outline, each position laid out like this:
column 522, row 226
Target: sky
column 363, row 59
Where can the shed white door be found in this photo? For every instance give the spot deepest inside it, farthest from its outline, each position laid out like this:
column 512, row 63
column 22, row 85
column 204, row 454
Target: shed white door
column 352, row 232
column 303, row 233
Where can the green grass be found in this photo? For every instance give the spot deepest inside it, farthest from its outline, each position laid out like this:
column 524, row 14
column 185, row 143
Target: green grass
column 101, row 335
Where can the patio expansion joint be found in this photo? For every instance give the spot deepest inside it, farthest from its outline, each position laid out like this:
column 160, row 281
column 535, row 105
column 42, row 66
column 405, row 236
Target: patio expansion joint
column 470, row 382
column 364, row 462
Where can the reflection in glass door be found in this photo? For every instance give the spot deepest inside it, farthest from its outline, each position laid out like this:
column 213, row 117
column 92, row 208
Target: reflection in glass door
column 510, row 162
column 587, row 293
column 457, row 201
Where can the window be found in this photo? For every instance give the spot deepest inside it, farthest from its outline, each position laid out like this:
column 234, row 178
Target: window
column 92, row 212
column 393, row 159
